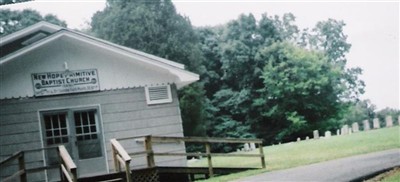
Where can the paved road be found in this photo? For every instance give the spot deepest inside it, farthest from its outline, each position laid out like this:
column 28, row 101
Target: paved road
column 345, row 169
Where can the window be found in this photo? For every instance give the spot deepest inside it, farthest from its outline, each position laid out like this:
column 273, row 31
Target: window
column 56, row 128
column 158, row 94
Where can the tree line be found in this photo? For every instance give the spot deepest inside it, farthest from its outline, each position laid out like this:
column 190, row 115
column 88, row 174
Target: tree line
column 261, row 78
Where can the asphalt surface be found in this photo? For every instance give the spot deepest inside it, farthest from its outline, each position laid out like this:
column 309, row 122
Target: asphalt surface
column 344, row 169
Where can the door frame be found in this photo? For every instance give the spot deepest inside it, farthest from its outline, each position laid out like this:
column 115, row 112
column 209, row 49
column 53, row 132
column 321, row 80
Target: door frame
column 67, row 109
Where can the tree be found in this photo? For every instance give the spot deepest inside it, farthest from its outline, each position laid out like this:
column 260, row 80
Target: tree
column 300, row 89
column 4, row 2
column 358, row 111
column 156, row 28
column 12, row 21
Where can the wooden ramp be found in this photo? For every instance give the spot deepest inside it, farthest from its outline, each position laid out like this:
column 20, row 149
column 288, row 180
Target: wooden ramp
column 164, row 174
column 153, row 173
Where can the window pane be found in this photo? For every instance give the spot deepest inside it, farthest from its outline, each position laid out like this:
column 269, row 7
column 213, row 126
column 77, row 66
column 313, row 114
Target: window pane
column 84, row 118
column 92, row 118
column 50, row 141
column 63, row 120
column 54, row 119
column 93, row 129
column 56, row 132
column 77, row 118
column 57, row 140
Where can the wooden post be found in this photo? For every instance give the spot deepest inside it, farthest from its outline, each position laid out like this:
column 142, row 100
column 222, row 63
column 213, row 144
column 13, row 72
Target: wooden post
column 262, row 155
column 21, row 164
column 128, row 172
column 74, row 175
column 210, row 167
column 149, row 149
column 117, row 167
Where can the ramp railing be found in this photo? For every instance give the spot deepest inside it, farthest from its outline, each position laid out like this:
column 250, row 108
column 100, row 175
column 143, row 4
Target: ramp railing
column 121, row 158
column 149, row 140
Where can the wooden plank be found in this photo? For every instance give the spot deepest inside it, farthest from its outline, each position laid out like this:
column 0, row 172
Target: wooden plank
column 21, row 166
column 210, row 166
column 205, row 155
column 262, row 156
column 150, row 156
column 69, row 163
column 122, row 161
column 120, row 150
column 204, row 140
column 139, row 153
column 66, row 173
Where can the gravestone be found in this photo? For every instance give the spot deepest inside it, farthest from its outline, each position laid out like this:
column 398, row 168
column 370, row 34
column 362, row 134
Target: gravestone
column 350, row 131
column 298, row 139
column 316, row 134
column 328, row 134
column 307, row 138
column 355, row 127
column 338, row 132
column 398, row 120
column 389, row 121
column 366, row 125
column 246, row 147
column 252, row 146
column 376, row 123
column 345, row 129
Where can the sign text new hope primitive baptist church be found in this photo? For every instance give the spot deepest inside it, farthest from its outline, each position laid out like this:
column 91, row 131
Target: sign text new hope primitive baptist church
column 65, row 82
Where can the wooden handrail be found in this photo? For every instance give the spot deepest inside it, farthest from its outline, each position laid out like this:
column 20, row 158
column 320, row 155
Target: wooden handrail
column 11, row 158
column 67, row 166
column 21, row 166
column 121, row 157
column 149, row 140
column 204, row 140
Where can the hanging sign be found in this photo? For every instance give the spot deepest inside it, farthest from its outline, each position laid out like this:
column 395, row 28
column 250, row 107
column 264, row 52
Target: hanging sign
column 64, row 82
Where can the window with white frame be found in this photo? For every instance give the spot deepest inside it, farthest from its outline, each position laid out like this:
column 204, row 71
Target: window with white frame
column 158, row 94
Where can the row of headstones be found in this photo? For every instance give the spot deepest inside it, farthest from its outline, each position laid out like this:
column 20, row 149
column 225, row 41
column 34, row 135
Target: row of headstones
column 345, row 130
column 248, row 147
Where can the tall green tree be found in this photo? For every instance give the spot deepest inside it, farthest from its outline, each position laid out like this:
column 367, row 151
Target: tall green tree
column 4, row 2
column 300, row 89
column 12, row 21
column 156, row 28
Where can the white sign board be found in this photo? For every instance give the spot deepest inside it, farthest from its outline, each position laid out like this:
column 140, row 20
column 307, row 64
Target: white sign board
column 65, row 82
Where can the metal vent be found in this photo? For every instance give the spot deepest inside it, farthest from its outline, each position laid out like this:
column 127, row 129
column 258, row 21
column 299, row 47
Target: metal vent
column 158, row 94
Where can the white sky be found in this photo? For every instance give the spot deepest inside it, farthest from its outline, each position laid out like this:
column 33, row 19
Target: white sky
column 372, row 29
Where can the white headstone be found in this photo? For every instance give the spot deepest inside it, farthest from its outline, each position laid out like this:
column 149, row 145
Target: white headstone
column 328, row 134
column 376, row 123
column 345, row 129
column 298, row 139
column 350, row 131
column 316, row 134
column 338, row 132
column 252, row 146
column 307, row 138
column 398, row 120
column 246, row 147
column 355, row 127
column 366, row 125
column 389, row 121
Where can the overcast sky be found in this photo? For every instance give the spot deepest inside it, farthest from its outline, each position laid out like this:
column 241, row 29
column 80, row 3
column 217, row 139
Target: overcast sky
column 372, row 29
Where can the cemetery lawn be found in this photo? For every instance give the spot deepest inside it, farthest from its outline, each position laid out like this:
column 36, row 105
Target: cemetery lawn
column 295, row 154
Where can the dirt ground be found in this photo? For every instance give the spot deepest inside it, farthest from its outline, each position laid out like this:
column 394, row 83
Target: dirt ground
column 384, row 175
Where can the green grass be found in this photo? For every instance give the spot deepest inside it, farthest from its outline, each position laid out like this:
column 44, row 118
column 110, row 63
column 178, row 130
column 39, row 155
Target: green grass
column 393, row 177
column 307, row 152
